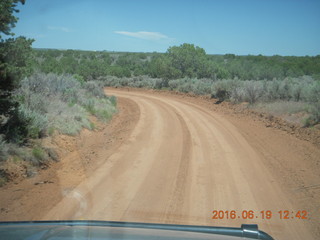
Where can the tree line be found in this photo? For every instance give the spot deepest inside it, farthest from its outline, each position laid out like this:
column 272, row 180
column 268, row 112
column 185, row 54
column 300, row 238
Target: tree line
column 181, row 61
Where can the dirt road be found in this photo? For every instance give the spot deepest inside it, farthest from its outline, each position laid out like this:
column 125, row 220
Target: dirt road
column 179, row 164
column 179, row 160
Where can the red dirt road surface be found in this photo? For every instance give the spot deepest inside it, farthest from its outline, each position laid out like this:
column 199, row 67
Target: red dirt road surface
column 176, row 159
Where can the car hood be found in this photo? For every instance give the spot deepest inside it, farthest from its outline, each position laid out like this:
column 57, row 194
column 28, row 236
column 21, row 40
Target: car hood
column 98, row 230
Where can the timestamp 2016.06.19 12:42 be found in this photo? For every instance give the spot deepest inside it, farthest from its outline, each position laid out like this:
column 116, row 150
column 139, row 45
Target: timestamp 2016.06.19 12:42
column 264, row 214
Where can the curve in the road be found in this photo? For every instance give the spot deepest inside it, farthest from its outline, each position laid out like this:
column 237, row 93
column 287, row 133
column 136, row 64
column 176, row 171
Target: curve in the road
column 180, row 163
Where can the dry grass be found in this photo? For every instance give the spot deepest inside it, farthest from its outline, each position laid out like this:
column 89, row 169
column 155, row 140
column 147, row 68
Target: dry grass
column 294, row 112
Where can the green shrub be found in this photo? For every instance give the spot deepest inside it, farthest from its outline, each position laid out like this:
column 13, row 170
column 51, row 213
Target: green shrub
column 185, row 87
column 201, row 87
column 3, row 149
column 113, row 100
column 15, row 150
column 52, row 154
column 94, row 88
column 307, row 122
column 25, row 124
column 237, row 94
column 3, row 180
column 79, row 78
column 315, row 113
column 17, row 159
column 68, row 120
column 253, row 90
column 51, row 131
column 39, row 154
column 36, row 123
column 158, row 83
column 61, row 102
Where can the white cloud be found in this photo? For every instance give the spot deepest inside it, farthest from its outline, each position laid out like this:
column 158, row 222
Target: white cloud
column 63, row 29
column 144, row 35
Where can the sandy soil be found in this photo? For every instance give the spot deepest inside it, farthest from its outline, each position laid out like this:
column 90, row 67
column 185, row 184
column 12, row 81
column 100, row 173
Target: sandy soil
column 175, row 159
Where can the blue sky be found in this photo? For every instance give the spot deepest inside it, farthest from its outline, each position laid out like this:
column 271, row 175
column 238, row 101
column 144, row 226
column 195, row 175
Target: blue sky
column 268, row 27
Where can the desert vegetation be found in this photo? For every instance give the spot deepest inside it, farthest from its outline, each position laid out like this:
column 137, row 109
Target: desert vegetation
column 278, row 97
column 269, row 83
column 178, row 62
column 187, row 68
column 49, row 104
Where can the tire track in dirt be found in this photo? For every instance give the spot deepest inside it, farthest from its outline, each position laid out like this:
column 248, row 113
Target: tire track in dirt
column 242, row 182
